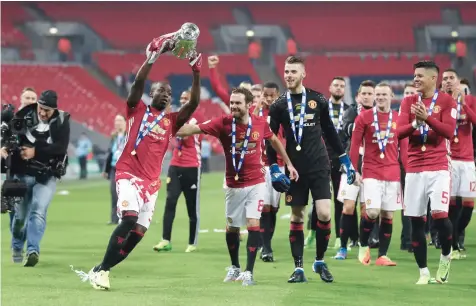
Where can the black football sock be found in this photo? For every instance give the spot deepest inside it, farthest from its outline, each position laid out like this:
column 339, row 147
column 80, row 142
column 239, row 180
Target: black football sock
column 419, row 241
column 274, row 214
column 354, row 227
column 296, row 239
column 366, row 226
column 323, row 233
column 345, row 229
column 265, row 229
column 128, row 245
column 252, row 247
column 233, row 244
column 385, row 235
column 464, row 218
column 445, row 231
column 115, row 242
column 454, row 211
column 338, row 207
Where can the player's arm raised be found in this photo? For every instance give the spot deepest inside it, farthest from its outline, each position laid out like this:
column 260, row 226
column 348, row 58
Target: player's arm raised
column 405, row 128
column 157, row 47
column 187, row 110
column 447, row 125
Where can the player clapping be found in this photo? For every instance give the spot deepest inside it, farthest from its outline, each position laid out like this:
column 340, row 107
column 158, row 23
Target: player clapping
column 428, row 176
column 242, row 135
column 381, row 192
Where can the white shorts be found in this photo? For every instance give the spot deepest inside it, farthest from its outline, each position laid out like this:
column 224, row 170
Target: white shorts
column 271, row 196
column 463, row 179
column 348, row 192
column 244, row 203
column 382, row 195
column 129, row 198
column 421, row 187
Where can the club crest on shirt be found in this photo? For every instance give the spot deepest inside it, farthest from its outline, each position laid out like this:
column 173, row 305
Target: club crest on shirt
column 312, row 104
column 436, row 109
column 255, row 135
column 166, row 122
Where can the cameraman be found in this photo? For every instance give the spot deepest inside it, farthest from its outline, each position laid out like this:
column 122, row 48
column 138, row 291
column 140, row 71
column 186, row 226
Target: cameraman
column 38, row 161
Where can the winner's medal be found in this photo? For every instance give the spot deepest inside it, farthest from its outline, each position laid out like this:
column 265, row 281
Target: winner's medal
column 424, row 130
column 244, row 147
column 458, row 117
column 297, row 137
column 382, row 143
column 382, row 156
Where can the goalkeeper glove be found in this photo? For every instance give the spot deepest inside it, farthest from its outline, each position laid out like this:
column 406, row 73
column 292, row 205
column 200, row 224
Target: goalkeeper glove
column 279, row 180
column 349, row 169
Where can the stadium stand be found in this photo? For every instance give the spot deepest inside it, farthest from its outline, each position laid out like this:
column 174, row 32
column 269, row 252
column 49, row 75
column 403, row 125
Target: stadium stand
column 13, row 12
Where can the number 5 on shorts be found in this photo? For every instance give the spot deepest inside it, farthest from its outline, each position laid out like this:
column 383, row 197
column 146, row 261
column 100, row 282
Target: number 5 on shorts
column 444, row 197
column 260, row 205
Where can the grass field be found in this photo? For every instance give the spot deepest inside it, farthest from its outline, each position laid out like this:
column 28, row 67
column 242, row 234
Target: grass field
column 77, row 235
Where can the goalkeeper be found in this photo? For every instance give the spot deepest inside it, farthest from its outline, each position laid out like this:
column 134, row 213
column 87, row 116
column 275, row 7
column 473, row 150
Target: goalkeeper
column 308, row 112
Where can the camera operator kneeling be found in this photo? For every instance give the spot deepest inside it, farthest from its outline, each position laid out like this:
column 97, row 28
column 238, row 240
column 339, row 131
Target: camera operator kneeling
column 38, row 159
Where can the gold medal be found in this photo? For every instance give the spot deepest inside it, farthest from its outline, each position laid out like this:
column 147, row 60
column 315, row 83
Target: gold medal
column 298, row 148
column 236, row 177
column 456, row 140
column 133, row 152
column 179, row 153
column 382, row 156
column 423, row 148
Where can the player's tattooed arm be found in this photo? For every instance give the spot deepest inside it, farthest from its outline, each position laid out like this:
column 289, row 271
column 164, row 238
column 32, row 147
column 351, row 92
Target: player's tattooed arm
column 187, row 110
column 137, row 89
column 274, row 124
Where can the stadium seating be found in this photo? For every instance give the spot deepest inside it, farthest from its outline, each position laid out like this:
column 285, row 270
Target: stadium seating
column 321, row 69
column 12, row 12
column 131, row 25
column 348, row 26
column 79, row 93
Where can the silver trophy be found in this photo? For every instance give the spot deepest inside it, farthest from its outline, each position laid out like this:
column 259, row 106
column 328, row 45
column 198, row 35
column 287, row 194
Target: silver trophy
column 185, row 41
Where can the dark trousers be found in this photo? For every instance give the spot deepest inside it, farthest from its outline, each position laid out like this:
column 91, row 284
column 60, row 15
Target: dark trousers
column 186, row 180
column 83, row 171
column 112, row 188
column 205, row 165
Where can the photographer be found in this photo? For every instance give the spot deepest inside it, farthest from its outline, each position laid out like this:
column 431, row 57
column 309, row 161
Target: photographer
column 38, row 158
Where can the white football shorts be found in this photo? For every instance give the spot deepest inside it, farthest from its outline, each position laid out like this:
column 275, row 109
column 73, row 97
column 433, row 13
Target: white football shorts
column 463, row 179
column 244, row 203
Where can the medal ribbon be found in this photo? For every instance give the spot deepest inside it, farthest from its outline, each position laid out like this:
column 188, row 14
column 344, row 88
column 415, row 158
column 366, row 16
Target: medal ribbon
column 341, row 114
column 382, row 143
column 243, row 148
column 458, row 114
column 146, row 127
column 424, row 130
column 301, row 116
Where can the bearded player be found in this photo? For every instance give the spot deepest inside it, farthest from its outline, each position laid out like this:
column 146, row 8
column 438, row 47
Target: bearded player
column 184, row 176
column 381, row 192
column 304, row 115
column 463, row 173
column 150, row 129
column 242, row 135
column 272, row 197
column 429, row 120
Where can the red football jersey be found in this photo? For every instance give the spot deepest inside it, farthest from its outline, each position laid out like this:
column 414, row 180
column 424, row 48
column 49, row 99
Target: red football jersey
column 252, row 169
column 280, row 136
column 442, row 123
column 365, row 133
column 463, row 149
column 146, row 164
column 187, row 150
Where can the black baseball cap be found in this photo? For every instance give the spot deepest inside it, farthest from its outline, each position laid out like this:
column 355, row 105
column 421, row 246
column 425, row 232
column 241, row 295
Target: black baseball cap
column 48, row 99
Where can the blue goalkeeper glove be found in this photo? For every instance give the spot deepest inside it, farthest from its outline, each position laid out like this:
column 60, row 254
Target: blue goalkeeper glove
column 349, row 169
column 279, row 180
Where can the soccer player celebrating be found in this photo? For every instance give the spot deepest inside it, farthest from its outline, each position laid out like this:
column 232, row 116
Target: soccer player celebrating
column 381, row 191
column 271, row 197
column 463, row 173
column 349, row 193
column 149, row 129
column 242, row 135
column 184, row 176
column 304, row 115
column 429, row 120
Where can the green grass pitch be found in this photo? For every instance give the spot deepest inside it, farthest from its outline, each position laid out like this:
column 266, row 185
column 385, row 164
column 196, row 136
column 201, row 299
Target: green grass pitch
column 77, row 235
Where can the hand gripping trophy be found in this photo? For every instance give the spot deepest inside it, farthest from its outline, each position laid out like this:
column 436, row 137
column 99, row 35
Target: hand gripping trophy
column 181, row 43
